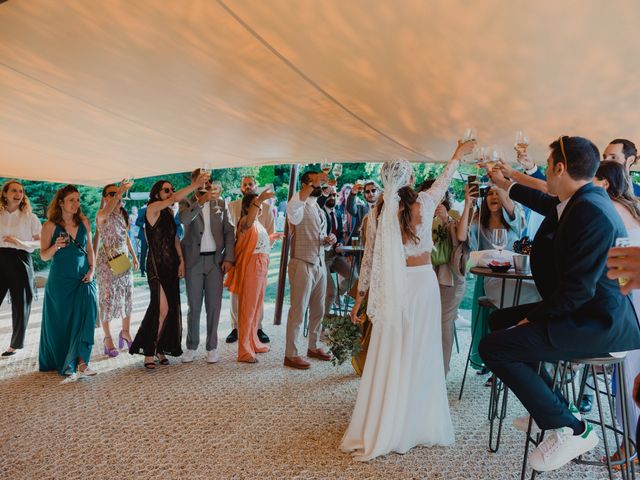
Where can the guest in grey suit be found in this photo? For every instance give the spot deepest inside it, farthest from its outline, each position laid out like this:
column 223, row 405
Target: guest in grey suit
column 208, row 248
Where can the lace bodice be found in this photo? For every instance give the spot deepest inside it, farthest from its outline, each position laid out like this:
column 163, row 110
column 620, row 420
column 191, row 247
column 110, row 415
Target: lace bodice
column 428, row 201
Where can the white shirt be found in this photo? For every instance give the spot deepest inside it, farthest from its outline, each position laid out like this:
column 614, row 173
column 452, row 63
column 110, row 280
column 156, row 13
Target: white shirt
column 23, row 227
column 295, row 208
column 561, row 206
column 208, row 243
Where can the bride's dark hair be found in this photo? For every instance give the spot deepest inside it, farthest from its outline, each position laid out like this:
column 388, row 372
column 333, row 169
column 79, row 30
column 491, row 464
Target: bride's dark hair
column 408, row 197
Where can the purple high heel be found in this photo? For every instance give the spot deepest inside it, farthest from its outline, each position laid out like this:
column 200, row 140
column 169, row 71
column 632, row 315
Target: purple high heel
column 111, row 352
column 122, row 341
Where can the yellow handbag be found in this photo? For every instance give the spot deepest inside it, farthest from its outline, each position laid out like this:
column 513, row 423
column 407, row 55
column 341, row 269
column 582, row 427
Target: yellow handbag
column 118, row 263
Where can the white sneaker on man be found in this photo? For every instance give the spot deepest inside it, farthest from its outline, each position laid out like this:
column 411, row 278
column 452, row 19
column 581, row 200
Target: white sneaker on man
column 522, row 423
column 187, row 356
column 561, row 446
column 212, row 356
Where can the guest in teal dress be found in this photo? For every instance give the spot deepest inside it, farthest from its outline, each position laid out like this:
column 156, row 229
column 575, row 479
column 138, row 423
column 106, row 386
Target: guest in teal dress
column 70, row 299
column 497, row 211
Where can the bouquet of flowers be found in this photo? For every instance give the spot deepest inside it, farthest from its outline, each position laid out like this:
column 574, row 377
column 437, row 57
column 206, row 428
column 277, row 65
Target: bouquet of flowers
column 342, row 336
column 522, row 246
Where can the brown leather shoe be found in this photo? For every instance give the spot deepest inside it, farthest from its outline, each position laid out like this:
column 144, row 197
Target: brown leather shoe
column 296, row 362
column 319, row 354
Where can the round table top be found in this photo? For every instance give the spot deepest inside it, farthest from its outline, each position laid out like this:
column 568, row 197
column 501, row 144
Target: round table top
column 349, row 249
column 509, row 274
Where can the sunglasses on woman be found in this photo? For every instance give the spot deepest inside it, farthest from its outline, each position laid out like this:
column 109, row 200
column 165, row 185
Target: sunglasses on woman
column 371, row 190
column 168, row 190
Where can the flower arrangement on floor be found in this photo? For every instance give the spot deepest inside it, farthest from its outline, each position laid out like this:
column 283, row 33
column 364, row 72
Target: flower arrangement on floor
column 343, row 338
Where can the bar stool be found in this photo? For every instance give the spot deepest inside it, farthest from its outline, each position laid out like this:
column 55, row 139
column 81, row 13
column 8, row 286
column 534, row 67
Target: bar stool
column 626, row 464
column 483, row 304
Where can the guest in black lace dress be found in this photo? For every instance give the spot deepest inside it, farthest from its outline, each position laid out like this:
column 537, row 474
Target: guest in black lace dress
column 160, row 332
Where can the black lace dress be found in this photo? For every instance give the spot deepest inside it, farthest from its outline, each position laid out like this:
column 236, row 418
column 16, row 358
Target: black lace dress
column 162, row 273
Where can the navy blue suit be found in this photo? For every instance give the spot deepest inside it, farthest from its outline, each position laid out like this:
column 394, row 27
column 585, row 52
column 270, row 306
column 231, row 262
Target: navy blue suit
column 582, row 313
column 541, row 176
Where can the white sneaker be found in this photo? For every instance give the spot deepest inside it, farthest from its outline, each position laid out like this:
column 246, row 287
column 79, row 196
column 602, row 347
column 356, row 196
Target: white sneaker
column 70, row 378
column 187, row 356
column 522, row 423
column 212, row 356
column 560, row 447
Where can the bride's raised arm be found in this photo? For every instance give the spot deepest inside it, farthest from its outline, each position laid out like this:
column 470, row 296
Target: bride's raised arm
column 440, row 186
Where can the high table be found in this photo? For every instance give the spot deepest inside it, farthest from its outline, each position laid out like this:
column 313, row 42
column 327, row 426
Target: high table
column 498, row 389
column 356, row 252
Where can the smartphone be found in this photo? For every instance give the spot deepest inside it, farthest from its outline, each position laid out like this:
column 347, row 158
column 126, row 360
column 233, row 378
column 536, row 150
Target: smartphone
column 472, row 181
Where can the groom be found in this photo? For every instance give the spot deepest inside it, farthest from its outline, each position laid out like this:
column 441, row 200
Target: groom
column 582, row 313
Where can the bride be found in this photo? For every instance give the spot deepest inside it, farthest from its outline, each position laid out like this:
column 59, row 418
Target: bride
column 402, row 400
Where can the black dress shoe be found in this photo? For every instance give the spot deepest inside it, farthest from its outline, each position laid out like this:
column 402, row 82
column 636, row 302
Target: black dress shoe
column 233, row 336
column 263, row 337
column 586, row 403
column 8, row 353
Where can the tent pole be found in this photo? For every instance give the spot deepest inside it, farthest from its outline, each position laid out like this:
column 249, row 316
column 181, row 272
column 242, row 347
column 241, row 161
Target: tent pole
column 284, row 253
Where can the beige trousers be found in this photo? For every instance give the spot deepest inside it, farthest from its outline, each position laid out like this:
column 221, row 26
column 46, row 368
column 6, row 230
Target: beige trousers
column 308, row 285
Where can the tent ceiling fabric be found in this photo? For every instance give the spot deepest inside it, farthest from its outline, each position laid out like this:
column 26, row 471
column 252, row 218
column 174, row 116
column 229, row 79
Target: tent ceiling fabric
column 91, row 91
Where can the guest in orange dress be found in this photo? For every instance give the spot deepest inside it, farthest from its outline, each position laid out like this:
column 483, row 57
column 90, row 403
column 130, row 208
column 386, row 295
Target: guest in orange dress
column 248, row 277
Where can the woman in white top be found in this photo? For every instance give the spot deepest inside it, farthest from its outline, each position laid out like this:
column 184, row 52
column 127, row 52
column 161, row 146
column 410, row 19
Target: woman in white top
column 248, row 277
column 19, row 237
column 613, row 177
column 402, row 399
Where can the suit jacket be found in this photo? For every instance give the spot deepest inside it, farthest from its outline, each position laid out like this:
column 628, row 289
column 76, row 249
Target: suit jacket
column 581, row 308
column 339, row 230
column 266, row 218
column 358, row 211
column 223, row 232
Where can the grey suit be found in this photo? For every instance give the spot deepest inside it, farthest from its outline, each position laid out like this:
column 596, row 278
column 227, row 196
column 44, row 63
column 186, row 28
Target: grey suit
column 203, row 273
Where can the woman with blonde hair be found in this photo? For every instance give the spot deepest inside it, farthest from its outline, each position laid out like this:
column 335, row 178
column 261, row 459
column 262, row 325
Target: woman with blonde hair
column 115, row 289
column 19, row 237
column 70, row 298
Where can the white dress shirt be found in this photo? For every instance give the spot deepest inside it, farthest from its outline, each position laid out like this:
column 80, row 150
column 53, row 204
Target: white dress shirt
column 208, row 243
column 22, row 226
column 295, row 208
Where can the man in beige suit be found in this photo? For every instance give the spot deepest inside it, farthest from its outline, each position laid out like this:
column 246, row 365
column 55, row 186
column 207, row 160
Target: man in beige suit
column 267, row 220
column 307, row 271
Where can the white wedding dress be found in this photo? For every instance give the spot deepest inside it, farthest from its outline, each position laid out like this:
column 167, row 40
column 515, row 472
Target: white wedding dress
column 402, row 400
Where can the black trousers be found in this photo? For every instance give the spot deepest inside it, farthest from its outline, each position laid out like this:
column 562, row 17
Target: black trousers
column 142, row 260
column 16, row 277
column 513, row 354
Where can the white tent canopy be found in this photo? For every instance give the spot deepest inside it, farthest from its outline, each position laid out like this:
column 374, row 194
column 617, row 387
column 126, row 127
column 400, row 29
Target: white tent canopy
column 91, row 91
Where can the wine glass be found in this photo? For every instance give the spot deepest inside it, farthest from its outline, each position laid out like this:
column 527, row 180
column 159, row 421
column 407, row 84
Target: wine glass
column 65, row 236
column 337, row 170
column 205, row 169
column 522, row 140
column 216, row 191
column 499, row 239
column 469, row 134
column 127, row 180
column 325, row 166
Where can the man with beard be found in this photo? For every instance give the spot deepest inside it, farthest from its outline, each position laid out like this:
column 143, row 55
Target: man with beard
column 266, row 218
column 307, row 271
column 359, row 209
column 334, row 261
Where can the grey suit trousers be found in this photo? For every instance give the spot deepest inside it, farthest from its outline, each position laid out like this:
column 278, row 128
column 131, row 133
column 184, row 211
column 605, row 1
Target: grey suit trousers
column 308, row 285
column 203, row 280
column 337, row 263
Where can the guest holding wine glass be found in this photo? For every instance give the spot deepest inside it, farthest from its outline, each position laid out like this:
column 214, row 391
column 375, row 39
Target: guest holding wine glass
column 115, row 289
column 160, row 332
column 19, row 237
column 248, row 277
column 70, row 299
column 497, row 212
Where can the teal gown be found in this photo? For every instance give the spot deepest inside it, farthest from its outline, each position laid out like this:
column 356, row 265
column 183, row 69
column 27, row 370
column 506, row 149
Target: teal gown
column 70, row 309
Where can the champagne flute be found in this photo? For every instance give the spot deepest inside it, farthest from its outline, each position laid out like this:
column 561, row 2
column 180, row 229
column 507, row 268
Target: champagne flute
column 499, row 239
column 216, row 191
column 128, row 181
column 625, row 242
column 337, row 170
column 469, row 134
